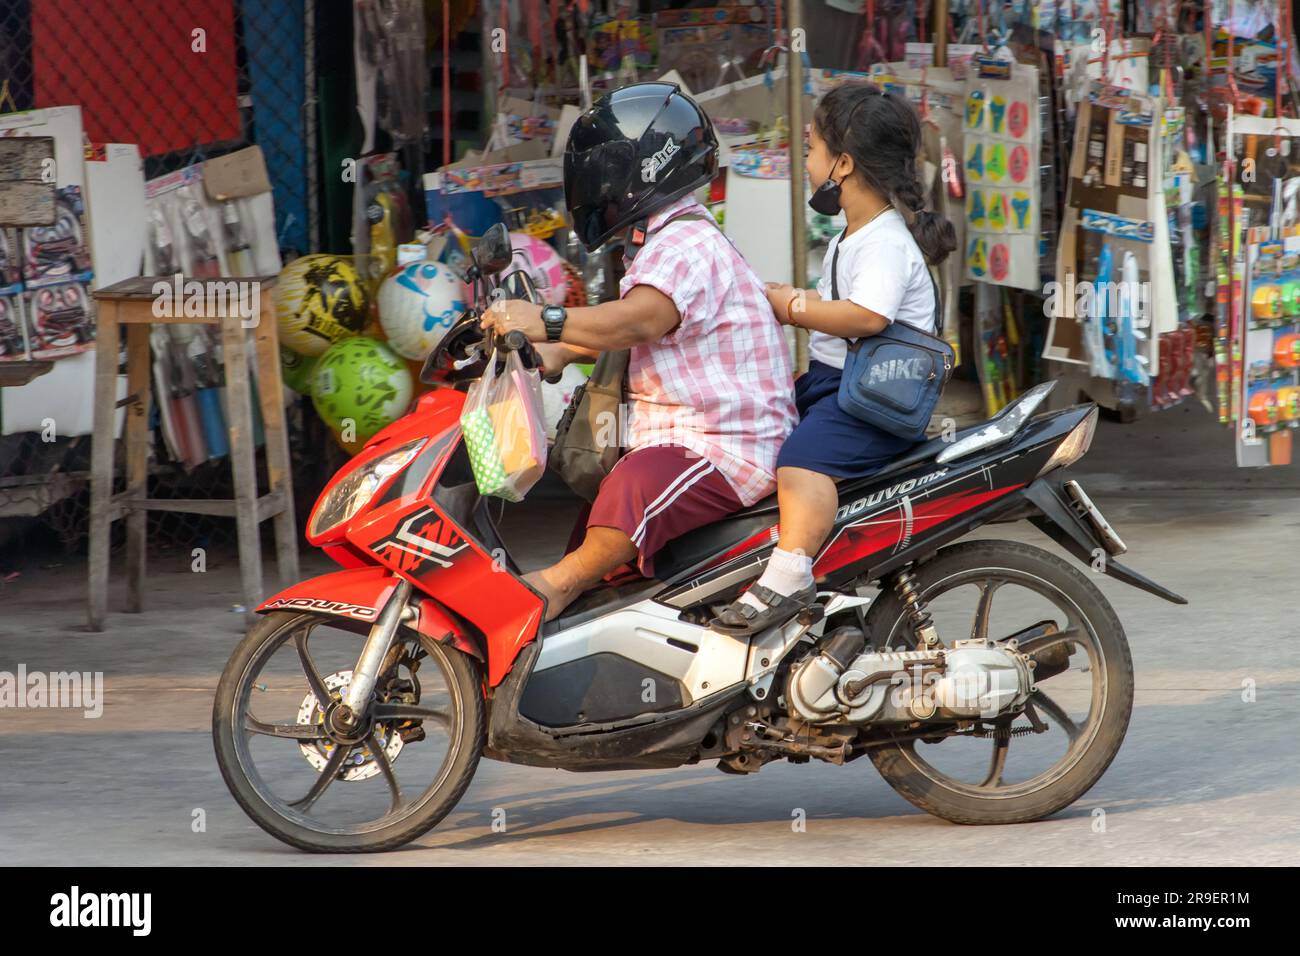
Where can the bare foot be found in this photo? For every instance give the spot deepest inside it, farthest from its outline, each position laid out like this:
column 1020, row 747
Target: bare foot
column 557, row 598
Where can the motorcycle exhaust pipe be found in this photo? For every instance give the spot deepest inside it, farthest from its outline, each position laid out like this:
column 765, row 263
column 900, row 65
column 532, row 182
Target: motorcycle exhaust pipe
column 378, row 642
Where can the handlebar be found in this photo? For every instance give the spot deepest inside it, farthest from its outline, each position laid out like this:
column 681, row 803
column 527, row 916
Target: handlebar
column 516, row 341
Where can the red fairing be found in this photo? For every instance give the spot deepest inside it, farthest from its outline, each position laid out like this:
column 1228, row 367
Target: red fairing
column 418, row 541
column 897, row 526
column 409, row 535
column 434, row 623
column 357, row 594
column 757, row 540
column 435, row 417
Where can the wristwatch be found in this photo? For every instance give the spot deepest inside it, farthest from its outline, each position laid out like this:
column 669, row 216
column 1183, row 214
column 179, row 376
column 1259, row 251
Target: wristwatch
column 553, row 317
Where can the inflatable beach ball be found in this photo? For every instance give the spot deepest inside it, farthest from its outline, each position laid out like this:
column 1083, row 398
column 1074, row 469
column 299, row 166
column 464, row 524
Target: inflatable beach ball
column 543, row 263
column 418, row 304
column 295, row 370
column 320, row 299
column 362, row 380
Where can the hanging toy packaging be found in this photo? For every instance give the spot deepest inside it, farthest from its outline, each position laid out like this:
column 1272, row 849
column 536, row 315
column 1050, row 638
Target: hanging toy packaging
column 505, row 428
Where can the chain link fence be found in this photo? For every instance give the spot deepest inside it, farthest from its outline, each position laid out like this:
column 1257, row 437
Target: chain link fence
column 187, row 81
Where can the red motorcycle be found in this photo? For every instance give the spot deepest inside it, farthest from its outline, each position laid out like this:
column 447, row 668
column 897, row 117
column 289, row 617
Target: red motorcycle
column 352, row 717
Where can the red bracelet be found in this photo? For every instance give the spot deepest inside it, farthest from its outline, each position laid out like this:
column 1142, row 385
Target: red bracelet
column 789, row 313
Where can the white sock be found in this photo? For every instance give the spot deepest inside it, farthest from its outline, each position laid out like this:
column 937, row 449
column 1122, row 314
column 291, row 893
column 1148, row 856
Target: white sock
column 786, row 572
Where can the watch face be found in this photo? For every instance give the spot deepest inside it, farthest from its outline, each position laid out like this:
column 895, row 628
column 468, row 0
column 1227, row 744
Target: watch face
column 553, row 317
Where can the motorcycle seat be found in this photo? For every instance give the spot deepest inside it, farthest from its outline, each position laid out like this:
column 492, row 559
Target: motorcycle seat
column 706, row 541
column 696, row 546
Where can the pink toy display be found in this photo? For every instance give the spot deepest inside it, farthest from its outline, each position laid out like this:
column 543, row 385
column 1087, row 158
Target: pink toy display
column 537, row 258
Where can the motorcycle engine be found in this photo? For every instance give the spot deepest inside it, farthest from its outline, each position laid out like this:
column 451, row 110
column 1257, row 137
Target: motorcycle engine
column 971, row 679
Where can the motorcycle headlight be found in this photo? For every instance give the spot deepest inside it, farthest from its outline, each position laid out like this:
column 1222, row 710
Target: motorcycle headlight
column 355, row 491
column 1075, row 445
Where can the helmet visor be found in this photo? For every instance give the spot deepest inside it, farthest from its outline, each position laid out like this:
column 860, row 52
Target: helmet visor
column 595, row 179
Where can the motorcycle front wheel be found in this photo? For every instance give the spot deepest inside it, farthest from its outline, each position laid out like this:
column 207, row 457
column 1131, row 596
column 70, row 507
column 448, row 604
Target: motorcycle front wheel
column 1017, row 767
column 389, row 780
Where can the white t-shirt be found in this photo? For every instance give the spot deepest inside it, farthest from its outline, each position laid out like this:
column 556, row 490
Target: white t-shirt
column 881, row 268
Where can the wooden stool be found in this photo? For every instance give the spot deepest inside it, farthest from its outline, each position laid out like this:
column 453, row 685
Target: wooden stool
column 131, row 304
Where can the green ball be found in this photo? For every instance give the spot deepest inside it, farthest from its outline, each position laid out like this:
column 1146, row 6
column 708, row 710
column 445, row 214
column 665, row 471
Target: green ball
column 1291, row 298
column 363, row 381
column 296, row 370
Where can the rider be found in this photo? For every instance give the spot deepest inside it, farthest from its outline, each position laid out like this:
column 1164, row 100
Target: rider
column 709, row 375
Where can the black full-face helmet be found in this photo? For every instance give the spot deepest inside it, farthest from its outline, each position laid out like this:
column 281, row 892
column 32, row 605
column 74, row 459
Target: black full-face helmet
column 635, row 151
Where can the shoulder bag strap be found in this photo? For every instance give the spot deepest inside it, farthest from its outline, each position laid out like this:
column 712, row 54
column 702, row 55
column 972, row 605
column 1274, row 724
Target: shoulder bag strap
column 938, row 306
column 835, row 266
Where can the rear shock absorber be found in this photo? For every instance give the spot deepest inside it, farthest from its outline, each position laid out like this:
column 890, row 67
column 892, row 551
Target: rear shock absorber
column 922, row 623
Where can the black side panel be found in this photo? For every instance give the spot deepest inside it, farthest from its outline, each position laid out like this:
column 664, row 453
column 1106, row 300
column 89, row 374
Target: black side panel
column 654, row 741
column 597, row 689
column 710, row 540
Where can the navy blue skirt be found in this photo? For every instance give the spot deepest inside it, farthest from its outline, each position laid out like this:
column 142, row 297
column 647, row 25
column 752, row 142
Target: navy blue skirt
column 828, row 441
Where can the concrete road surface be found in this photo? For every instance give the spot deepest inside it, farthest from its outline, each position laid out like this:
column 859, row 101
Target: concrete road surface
column 1209, row 774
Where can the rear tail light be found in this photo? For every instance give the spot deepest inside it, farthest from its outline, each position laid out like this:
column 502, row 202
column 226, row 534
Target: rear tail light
column 1074, row 446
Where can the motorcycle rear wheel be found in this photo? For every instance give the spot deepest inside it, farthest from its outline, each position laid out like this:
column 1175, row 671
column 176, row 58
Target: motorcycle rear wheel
column 1092, row 743
column 234, row 726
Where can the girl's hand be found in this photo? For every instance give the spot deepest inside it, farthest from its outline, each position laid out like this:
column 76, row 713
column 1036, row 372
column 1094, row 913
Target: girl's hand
column 507, row 315
column 781, row 295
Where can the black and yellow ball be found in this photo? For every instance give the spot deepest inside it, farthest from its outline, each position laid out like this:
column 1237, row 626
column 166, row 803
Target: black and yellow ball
column 320, row 299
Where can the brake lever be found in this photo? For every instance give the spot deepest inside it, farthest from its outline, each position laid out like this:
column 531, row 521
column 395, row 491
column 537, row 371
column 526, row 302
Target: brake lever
column 474, row 354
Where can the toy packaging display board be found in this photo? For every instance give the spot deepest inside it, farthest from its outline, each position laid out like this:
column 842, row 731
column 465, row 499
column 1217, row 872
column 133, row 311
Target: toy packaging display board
column 47, row 312
column 1000, row 168
column 500, row 172
column 1266, row 180
column 1270, row 383
column 190, row 233
column 1114, row 291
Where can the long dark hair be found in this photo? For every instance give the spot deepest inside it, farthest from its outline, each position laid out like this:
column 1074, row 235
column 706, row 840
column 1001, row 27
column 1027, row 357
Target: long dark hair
column 882, row 132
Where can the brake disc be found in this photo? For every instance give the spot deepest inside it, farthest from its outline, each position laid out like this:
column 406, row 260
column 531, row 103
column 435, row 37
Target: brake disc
column 361, row 762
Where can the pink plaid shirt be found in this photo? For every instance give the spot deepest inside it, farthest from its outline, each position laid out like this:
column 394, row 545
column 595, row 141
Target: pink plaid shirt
column 719, row 384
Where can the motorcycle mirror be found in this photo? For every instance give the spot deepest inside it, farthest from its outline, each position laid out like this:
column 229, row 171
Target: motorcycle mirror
column 492, row 252
column 519, row 285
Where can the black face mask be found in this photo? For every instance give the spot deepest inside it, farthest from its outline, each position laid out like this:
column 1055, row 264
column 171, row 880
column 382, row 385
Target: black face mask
column 826, row 198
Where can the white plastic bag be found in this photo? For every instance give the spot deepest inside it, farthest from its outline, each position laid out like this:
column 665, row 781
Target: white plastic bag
column 505, row 428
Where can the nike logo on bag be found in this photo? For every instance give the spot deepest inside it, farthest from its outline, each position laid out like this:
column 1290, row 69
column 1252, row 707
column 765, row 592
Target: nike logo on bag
column 895, row 369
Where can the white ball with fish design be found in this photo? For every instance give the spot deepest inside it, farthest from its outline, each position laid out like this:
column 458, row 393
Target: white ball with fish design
column 418, row 304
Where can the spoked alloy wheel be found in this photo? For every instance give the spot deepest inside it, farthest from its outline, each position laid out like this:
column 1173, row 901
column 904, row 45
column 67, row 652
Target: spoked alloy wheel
column 1020, row 767
column 321, row 784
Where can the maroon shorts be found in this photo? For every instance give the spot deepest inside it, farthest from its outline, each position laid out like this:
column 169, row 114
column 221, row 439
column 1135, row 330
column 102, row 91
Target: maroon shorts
column 655, row 494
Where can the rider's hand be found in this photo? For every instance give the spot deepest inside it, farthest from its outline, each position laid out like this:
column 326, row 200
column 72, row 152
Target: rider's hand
column 554, row 356
column 507, row 315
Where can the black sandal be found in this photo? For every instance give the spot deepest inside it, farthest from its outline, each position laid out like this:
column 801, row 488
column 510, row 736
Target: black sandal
column 741, row 619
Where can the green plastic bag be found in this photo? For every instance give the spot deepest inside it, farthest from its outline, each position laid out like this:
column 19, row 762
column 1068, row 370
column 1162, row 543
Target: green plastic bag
column 504, row 428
